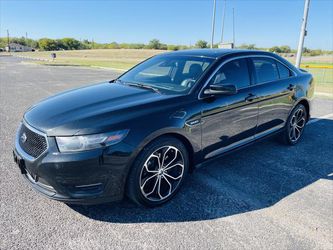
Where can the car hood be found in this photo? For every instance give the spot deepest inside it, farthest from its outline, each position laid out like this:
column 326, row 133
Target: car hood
column 92, row 109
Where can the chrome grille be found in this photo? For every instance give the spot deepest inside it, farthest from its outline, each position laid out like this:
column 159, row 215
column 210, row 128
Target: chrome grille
column 34, row 144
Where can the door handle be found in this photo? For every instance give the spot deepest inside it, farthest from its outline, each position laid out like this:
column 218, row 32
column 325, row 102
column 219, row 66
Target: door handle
column 250, row 98
column 291, row 87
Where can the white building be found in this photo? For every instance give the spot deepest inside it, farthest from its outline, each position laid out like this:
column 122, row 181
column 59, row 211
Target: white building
column 226, row 45
column 15, row 47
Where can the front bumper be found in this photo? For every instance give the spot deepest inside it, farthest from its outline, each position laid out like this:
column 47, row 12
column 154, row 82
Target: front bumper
column 89, row 177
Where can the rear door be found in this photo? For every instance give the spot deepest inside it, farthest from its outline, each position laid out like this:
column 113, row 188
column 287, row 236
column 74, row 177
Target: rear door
column 275, row 88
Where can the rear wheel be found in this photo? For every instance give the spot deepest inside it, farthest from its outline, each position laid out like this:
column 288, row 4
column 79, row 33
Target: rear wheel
column 158, row 172
column 295, row 125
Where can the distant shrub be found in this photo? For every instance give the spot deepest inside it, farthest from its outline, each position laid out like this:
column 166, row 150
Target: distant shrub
column 275, row 49
column 316, row 52
column 173, row 47
column 48, row 44
column 201, row 44
column 113, row 45
column 136, row 46
column 248, row 46
column 154, row 44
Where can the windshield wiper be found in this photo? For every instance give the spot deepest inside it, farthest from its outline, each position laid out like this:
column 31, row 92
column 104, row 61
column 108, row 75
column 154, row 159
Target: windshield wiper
column 143, row 86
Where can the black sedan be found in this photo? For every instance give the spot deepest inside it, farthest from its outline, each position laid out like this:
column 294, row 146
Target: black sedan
column 141, row 134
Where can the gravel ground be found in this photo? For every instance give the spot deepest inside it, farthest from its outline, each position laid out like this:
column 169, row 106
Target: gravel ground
column 266, row 196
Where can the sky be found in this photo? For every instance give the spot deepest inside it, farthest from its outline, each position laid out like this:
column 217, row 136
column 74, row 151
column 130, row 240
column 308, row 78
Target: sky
column 264, row 23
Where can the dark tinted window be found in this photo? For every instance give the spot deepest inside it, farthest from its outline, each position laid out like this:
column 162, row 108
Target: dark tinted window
column 188, row 66
column 235, row 72
column 266, row 70
column 284, row 71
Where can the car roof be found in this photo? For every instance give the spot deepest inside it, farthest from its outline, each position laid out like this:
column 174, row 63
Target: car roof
column 214, row 53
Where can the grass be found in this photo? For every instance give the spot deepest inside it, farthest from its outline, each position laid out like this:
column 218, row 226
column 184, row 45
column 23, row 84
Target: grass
column 123, row 59
column 323, row 79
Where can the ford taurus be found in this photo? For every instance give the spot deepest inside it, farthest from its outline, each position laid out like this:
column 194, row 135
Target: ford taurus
column 140, row 135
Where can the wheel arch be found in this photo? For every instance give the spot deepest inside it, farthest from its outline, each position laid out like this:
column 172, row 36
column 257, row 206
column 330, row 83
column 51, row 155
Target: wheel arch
column 306, row 104
column 169, row 132
column 187, row 145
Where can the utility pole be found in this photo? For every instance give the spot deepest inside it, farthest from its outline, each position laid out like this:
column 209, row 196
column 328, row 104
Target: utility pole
column 303, row 33
column 26, row 38
column 213, row 25
column 233, row 27
column 8, row 40
column 223, row 18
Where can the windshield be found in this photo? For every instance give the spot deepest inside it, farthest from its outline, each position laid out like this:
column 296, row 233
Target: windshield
column 176, row 74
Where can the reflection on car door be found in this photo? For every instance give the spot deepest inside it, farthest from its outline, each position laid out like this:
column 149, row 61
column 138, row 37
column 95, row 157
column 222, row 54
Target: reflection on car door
column 230, row 120
column 275, row 90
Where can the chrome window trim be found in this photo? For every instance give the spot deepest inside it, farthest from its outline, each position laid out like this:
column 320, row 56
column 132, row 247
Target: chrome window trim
column 20, row 150
column 242, row 57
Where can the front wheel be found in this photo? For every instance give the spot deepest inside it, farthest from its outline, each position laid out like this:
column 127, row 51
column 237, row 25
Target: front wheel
column 295, row 125
column 158, row 172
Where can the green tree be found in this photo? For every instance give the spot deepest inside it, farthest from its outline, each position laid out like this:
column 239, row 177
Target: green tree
column 113, row 45
column 47, row 44
column 316, row 52
column 154, row 44
column 69, row 44
column 19, row 40
column 306, row 50
column 251, row 46
column 173, row 47
column 248, row 46
column 275, row 49
column 201, row 44
column 285, row 49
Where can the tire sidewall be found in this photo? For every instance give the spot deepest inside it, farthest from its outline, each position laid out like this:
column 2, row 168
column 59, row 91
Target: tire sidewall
column 287, row 137
column 133, row 190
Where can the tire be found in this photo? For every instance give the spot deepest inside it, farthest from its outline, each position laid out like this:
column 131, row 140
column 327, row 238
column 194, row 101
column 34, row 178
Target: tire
column 153, row 181
column 295, row 125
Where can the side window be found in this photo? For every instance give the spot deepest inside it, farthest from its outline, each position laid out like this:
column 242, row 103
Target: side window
column 266, row 70
column 283, row 71
column 235, row 72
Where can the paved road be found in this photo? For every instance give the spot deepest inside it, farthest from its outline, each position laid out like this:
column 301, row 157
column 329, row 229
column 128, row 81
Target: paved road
column 267, row 196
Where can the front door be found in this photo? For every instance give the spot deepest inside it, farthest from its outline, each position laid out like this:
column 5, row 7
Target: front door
column 229, row 120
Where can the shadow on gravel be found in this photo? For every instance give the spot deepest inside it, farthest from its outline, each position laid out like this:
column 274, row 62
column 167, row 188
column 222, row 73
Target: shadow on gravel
column 250, row 179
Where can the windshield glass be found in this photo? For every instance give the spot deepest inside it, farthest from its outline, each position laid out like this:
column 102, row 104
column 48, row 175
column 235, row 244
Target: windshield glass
column 176, row 74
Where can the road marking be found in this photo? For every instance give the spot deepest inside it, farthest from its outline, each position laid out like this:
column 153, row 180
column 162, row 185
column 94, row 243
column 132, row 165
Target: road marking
column 320, row 118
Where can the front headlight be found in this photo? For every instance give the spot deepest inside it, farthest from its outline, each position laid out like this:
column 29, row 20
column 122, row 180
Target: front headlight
column 86, row 142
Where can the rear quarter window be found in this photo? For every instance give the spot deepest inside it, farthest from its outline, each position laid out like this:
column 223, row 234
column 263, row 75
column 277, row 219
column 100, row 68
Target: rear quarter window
column 266, row 70
column 284, row 72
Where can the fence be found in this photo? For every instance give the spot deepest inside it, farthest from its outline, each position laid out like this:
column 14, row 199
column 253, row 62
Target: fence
column 323, row 76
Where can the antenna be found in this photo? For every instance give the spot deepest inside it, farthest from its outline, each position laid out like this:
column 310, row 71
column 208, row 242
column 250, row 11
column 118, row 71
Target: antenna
column 223, row 18
column 213, row 24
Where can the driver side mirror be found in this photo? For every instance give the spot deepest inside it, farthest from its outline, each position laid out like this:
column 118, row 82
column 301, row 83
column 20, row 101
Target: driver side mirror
column 215, row 89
